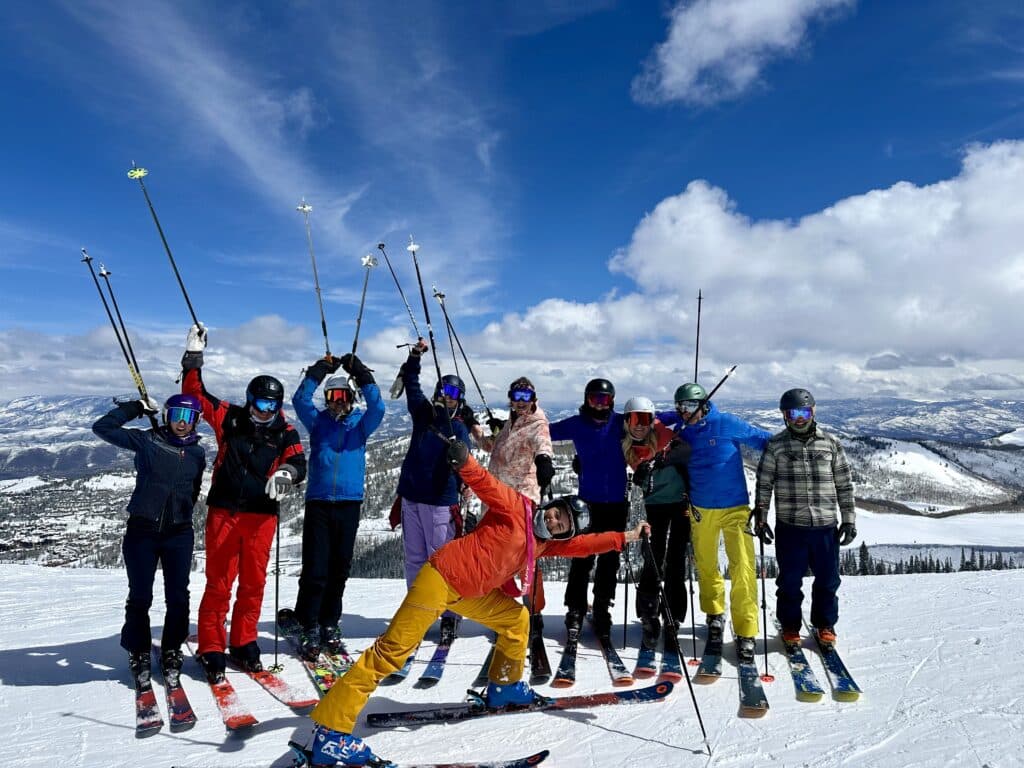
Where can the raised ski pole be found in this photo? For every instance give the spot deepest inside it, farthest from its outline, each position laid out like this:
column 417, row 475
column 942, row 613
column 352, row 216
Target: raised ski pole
column 696, row 349
column 401, row 293
column 305, row 209
column 465, row 358
column 137, row 174
column 645, row 542
column 368, row 263
column 448, row 323
column 412, row 247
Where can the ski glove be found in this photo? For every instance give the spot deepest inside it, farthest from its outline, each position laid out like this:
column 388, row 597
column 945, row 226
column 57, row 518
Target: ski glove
column 149, row 405
column 280, row 483
column 545, row 471
column 458, row 454
column 196, row 341
column 355, row 368
column 846, row 534
column 678, row 454
column 468, row 417
column 191, row 360
column 576, row 463
column 495, row 424
column 417, row 349
column 470, row 523
column 759, row 522
column 318, row 371
column 643, row 477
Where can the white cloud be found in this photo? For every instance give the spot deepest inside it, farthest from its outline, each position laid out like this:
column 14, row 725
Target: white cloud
column 717, row 49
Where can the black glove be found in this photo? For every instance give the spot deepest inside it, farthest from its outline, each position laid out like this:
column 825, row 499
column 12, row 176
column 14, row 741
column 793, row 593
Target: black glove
column 470, row 522
column 758, row 521
column 678, row 453
column 846, row 534
column 458, row 454
column 495, row 424
column 545, row 471
column 318, row 371
column 468, row 417
column 642, row 474
column 355, row 368
column 191, row 360
column 417, row 349
column 576, row 463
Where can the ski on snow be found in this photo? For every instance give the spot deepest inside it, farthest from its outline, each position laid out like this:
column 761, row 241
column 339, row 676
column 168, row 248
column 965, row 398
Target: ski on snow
column 565, row 676
column 148, row 719
column 753, row 702
column 540, row 667
column 476, row 707
column 327, row 668
column 179, row 708
column 804, row 680
column 616, row 669
column 435, row 667
column 303, row 757
column 710, row 668
column 844, row 688
column 671, row 668
column 234, row 714
column 401, row 673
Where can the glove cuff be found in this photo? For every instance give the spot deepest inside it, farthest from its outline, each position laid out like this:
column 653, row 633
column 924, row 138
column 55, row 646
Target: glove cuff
column 191, row 361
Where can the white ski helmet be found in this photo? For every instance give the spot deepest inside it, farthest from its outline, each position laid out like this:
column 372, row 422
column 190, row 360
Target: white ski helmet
column 639, row 405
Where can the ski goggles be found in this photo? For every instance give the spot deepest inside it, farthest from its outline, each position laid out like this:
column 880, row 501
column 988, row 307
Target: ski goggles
column 339, row 395
column 687, row 405
column 265, row 404
column 451, row 391
column 600, row 399
column 522, row 395
column 796, row 414
column 639, row 418
column 176, row 414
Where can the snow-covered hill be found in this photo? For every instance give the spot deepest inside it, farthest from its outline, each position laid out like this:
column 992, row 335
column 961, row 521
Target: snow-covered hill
column 928, row 651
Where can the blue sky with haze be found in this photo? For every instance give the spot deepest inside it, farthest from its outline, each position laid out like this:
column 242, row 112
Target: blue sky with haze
column 843, row 180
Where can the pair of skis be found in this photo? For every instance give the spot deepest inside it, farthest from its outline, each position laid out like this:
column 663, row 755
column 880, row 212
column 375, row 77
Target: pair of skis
column 234, row 713
column 303, row 757
column 753, row 702
column 671, row 668
column 327, row 667
column 844, row 687
column 148, row 719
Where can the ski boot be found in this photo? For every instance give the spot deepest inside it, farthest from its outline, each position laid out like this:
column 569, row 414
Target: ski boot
column 212, row 663
column 647, row 610
column 573, row 623
column 501, row 695
column 602, row 620
column 791, row 637
column 745, row 649
column 170, row 665
column 247, row 657
column 330, row 639
column 338, row 748
column 826, row 636
column 139, row 664
column 309, row 643
column 716, row 627
column 449, row 629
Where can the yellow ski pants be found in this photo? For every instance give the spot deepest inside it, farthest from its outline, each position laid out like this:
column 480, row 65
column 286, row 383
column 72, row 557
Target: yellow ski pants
column 729, row 524
column 428, row 597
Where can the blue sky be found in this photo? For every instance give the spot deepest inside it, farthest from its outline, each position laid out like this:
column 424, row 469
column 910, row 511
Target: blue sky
column 844, row 181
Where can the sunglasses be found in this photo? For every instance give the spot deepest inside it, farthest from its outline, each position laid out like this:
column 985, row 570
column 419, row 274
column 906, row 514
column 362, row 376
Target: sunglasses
column 688, row 405
column 639, row 418
column 176, row 414
column 795, row 414
column 265, row 404
column 339, row 395
column 452, row 391
column 522, row 395
column 600, row 398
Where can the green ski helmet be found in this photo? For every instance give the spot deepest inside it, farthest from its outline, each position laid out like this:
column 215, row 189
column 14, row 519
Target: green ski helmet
column 690, row 391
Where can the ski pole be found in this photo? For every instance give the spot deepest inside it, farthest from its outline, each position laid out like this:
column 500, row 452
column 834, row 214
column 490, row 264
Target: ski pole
column 696, row 349
column 412, row 248
column 401, row 293
column 132, row 367
column 451, row 342
column 767, row 676
column 305, row 208
column 278, row 666
column 137, row 174
column 693, row 622
column 451, row 329
column 369, row 263
column 645, row 543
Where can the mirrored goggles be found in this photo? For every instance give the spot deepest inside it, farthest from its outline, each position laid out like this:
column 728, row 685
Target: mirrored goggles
column 265, row 404
column 687, row 405
column 522, row 395
column 600, row 399
column 452, row 391
column 639, row 418
column 176, row 414
column 339, row 395
column 796, row 414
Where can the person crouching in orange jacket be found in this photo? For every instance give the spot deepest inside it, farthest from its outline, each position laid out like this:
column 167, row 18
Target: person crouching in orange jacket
column 473, row 576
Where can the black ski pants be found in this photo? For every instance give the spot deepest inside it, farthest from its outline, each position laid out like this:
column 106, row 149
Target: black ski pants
column 798, row 548
column 143, row 550
column 604, row 516
column 328, row 541
column 670, row 533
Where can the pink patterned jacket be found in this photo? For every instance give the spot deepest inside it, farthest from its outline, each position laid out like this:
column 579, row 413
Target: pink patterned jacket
column 515, row 448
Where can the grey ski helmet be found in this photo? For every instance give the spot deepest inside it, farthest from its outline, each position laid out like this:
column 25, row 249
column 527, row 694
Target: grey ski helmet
column 579, row 518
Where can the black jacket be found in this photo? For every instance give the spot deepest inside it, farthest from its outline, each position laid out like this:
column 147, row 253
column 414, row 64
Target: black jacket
column 168, row 476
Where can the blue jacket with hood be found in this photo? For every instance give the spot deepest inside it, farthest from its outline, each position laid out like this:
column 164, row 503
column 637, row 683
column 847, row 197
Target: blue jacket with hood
column 599, row 447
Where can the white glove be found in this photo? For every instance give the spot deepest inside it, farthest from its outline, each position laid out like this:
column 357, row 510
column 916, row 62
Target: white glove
column 279, row 484
column 196, row 341
column 149, row 405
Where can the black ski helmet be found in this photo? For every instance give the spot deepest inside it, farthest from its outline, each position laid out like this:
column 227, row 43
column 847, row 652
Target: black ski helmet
column 596, row 386
column 453, row 381
column 796, row 398
column 579, row 518
column 264, row 387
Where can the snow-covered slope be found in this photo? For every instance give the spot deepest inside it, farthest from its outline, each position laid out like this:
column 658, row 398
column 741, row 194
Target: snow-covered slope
column 927, row 650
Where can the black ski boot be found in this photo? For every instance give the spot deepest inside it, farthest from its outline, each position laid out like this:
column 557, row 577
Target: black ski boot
column 449, row 629
column 139, row 664
column 247, row 657
column 602, row 619
column 745, row 649
column 647, row 610
column 170, row 665
column 213, row 663
column 573, row 623
column 716, row 627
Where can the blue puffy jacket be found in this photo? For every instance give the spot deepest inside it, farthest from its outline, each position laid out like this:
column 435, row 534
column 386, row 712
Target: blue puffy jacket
column 716, row 464
column 337, row 461
column 168, row 477
column 599, row 447
column 426, row 477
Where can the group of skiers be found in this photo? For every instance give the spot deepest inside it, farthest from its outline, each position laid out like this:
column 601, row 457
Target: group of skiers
column 686, row 463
